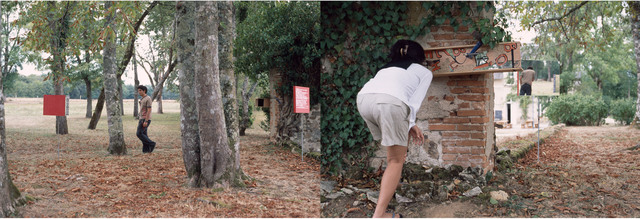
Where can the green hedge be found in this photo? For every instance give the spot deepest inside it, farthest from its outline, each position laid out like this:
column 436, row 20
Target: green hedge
column 623, row 110
column 577, row 110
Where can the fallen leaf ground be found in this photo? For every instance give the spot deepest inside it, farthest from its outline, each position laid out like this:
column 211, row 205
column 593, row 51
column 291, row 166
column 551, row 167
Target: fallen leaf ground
column 583, row 172
column 85, row 181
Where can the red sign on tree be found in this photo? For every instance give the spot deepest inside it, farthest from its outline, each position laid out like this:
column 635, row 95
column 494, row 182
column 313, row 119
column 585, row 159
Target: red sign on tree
column 54, row 105
column 301, row 102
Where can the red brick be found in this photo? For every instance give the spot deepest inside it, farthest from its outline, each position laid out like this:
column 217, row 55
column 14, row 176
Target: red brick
column 461, row 163
column 449, row 98
column 453, row 135
column 455, row 120
column 431, row 97
column 477, row 90
column 448, row 143
column 456, row 150
column 471, row 83
column 477, row 135
column 464, row 36
column 453, row 114
column 449, row 157
column 477, row 159
column 445, row 36
column 464, row 105
column 473, row 97
column 452, row 83
column 471, row 113
column 442, row 127
column 438, row 120
column 478, row 105
column 478, row 143
column 470, row 127
column 477, row 151
column 479, row 120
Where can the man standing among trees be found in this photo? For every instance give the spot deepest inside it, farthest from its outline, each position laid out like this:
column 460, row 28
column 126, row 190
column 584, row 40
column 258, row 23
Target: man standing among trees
column 145, row 120
column 527, row 79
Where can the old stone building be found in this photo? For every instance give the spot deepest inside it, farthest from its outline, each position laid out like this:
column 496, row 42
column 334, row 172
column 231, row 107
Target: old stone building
column 457, row 114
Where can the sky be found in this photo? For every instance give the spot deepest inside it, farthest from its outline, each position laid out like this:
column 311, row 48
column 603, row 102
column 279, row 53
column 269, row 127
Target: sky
column 141, row 45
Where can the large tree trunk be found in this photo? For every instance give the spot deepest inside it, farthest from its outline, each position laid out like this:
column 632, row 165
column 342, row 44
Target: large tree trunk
column 95, row 118
column 135, row 88
column 288, row 122
column 61, row 121
column 116, row 134
column 635, row 23
column 123, row 64
column 217, row 157
column 58, row 46
column 186, row 73
column 87, row 83
column 9, row 194
column 227, row 78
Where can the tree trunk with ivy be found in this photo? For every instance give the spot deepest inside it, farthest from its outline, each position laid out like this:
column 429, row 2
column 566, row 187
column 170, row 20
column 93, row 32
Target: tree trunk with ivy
column 117, row 145
column 635, row 23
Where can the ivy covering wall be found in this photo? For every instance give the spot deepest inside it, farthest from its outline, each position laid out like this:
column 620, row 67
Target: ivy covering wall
column 356, row 37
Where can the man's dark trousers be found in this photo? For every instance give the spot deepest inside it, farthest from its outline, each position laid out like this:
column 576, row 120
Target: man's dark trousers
column 147, row 144
column 525, row 89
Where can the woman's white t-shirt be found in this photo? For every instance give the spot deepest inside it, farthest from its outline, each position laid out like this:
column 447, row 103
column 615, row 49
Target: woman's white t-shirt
column 408, row 85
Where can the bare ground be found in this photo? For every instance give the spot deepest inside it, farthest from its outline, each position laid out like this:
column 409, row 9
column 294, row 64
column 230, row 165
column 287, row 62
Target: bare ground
column 84, row 181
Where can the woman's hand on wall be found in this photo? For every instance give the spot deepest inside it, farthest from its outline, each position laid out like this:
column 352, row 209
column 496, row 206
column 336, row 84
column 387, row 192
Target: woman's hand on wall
column 415, row 135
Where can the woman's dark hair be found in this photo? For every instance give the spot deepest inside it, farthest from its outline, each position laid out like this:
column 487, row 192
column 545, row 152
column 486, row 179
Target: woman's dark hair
column 407, row 50
column 530, row 68
column 143, row 88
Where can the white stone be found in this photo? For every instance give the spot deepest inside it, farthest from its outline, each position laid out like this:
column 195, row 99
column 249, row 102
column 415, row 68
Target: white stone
column 347, row 191
column 334, row 195
column 373, row 196
column 402, row 199
column 473, row 192
column 356, row 203
column 499, row 195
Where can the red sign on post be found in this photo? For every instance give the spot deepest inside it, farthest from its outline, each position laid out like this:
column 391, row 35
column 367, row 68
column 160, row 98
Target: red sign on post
column 301, row 102
column 54, row 105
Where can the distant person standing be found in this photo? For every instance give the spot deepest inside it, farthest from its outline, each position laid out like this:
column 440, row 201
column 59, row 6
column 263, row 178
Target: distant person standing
column 145, row 120
column 527, row 79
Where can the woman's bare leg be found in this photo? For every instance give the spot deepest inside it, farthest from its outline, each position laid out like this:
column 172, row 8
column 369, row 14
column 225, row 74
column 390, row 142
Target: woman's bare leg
column 395, row 159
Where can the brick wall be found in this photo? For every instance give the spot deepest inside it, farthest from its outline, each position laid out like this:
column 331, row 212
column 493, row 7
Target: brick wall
column 457, row 113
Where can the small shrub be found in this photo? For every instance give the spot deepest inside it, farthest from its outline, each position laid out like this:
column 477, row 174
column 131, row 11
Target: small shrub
column 623, row 110
column 576, row 109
